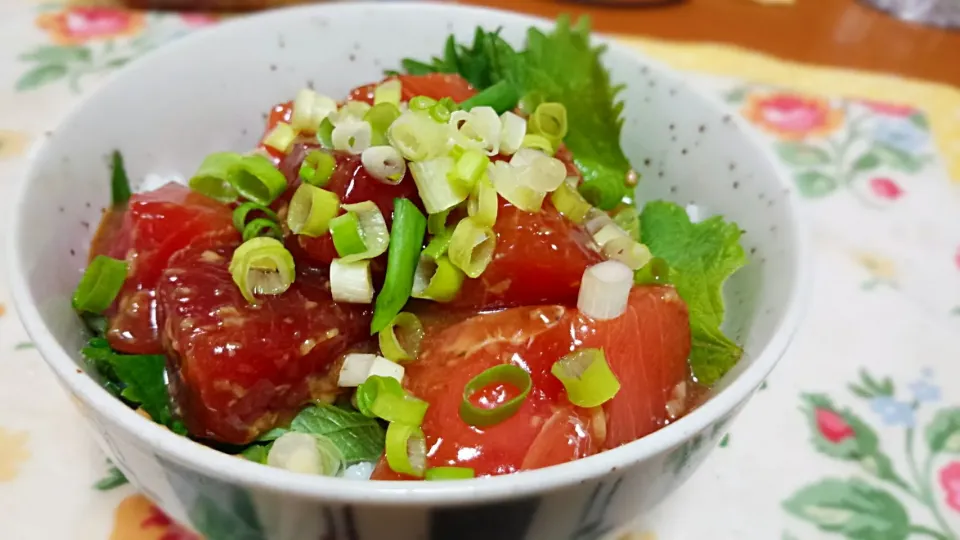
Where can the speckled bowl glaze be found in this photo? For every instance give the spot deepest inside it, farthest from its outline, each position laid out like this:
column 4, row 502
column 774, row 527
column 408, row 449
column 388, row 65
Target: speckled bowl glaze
column 209, row 92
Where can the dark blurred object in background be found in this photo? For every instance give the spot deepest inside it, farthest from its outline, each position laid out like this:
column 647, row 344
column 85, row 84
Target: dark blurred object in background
column 944, row 13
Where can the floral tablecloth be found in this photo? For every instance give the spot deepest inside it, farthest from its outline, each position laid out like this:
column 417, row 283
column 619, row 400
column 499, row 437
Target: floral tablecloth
column 856, row 434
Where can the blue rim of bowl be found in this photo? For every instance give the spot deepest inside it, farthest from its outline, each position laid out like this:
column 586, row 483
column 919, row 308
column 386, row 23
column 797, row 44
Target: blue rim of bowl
column 228, row 468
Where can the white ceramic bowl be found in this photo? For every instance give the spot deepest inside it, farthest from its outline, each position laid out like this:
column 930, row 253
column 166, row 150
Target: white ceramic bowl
column 207, row 93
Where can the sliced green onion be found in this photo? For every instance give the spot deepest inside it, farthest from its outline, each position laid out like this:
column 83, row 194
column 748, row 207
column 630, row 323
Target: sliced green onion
column 502, row 374
column 418, row 137
column 472, row 246
column 440, row 112
column 437, row 223
column 406, row 449
column 403, row 409
column 352, row 111
column 213, row 177
column 351, row 282
column 241, row 212
column 388, row 92
column 478, row 129
column 628, row 219
column 537, row 170
column 306, row 453
column 539, row 142
column 587, row 377
column 438, row 245
column 628, row 251
column 310, row 109
column 257, row 179
column 100, row 284
column 421, row 103
column 605, row 290
column 358, row 367
column 501, row 97
column 352, row 136
column 437, row 279
column 373, row 230
column 436, row 187
column 281, row 137
column 609, row 232
column 512, row 133
column 311, row 210
column 507, row 183
column 262, row 266
column 550, row 120
column 262, row 227
column 471, row 165
column 374, row 387
column 406, row 239
column 400, row 340
column 655, row 272
column 568, row 201
column 325, row 133
column 347, row 236
column 384, row 163
column 482, row 204
column 380, row 117
column 449, row 473
column 317, row 168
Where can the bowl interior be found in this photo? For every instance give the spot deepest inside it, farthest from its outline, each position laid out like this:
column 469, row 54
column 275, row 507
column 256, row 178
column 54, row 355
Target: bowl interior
column 210, row 92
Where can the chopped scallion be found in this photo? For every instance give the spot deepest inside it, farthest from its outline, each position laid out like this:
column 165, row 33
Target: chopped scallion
column 347, row 237
column 470, row 166
column 587, row 377
column 352, row 136
column 351, row 282
column 388, row 92
column 449, row 473
column 100, row 284
column 373, row 230
column 311, row 210
column 380, row 117
column 400, row 340
column 406, row 240
column 512, row 133
column 119, row 181
column 507, row 183
column 421, row 103
column 437, row 279
column 568, row 201
column 472, row 246
column 502, row 374
column 262, row 266
column 317, row 168
column 213, row 177
column 257, row 179
column 539, row 142
column 280, row 138
column 406, row 449
column 241, row 212
column 438, row 187
column 482, row 204
column 262, row 227
column 550, row 120
column 385, row 164
column 325, row 133
column 655, row 272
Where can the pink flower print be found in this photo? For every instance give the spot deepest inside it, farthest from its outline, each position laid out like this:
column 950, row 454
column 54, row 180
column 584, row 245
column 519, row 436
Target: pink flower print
column 886, row 188
column 956, row 258
column 950, row 482
column 832, row 426
column 890, row 109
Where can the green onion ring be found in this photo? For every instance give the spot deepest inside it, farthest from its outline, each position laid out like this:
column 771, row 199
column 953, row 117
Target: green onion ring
column 370, row 389
column 587, row 377
column 317, row 168
column 257, row 179
column 655, row 272
column 405, row 325
column 504, row 373
column 262, row 227
column 241, row 212
column 449, row 473
column 406, row 449
column 100, row 284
